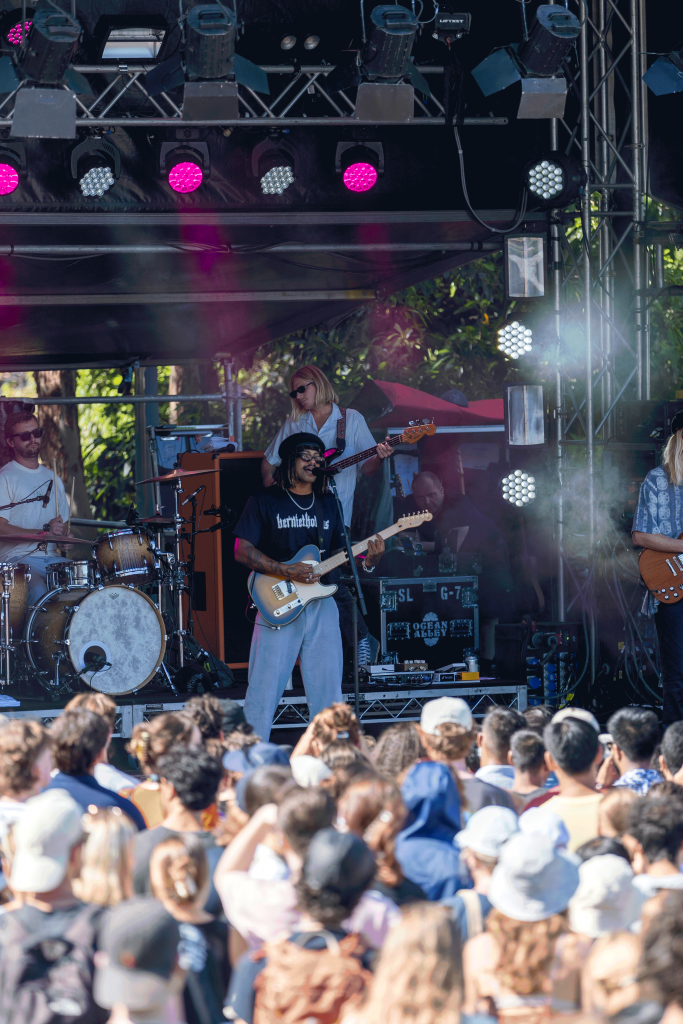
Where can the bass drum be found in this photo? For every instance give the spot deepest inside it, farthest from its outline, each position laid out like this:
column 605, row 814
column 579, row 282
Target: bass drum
column 114, row 639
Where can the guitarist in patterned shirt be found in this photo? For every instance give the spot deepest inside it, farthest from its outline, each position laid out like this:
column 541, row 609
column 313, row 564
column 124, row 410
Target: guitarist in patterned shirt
column 657, row 523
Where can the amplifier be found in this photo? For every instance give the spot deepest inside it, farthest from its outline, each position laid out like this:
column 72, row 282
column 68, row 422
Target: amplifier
column 544, row 657
column 433, row 619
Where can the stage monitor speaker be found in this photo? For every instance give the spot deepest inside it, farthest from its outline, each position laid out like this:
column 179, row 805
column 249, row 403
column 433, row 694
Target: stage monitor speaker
column 220, row 590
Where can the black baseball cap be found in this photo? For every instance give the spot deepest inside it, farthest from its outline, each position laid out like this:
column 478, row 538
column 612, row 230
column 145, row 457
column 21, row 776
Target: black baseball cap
column 339, row 862
column 233, row 715
column 677, row 421
column 140, row 940
column 301, row 440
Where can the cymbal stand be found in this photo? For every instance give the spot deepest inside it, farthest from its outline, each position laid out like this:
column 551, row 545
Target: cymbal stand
column 7, row 572
column 177, row 518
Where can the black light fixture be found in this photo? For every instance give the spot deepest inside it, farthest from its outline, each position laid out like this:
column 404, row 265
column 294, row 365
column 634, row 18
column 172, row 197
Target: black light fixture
column 385, row 74
column 51, row 43
column 95, row 164
column 43, row 59
column 665, row 76
column 536, row 62
column 553, row 180
column 185, row 164
column 274, row 162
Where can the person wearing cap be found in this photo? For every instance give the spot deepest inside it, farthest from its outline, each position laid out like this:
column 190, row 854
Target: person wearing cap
column 275, row 525
column 657, row 524
column 606, row 899
column 480, row 843
column 526, row 961
column 137, row 965
column 48, row 839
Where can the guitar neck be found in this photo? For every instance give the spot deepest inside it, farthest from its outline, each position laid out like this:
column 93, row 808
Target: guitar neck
column 353, row 460
column 357, row 549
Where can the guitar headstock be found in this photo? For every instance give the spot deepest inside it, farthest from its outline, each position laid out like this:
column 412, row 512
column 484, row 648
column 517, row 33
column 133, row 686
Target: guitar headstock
column 412, row 522
column 412, row 434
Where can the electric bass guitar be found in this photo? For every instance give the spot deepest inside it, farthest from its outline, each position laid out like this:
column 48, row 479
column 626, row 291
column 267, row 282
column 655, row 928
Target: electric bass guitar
column 280, row 600
column 662, row 573
column 409, row 436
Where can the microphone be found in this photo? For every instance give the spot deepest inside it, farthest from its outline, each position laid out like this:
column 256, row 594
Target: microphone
column 191, row 496
column 325, row 471
column 46, row 497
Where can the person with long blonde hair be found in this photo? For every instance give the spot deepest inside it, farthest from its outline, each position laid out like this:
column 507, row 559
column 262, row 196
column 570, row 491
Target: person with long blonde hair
column 106, row 857
column 418, row 978
column 316, row 410
column 658, row 525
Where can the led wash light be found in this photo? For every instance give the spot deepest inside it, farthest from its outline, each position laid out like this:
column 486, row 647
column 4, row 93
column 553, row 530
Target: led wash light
column 276, row 180
column 185, row 176
column 359, row 165
column 15, row 36
column 545, row 179
column 519, row 488
column 514, row 339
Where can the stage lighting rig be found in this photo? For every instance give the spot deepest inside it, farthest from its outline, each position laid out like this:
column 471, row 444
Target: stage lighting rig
column 382, row 68
column 519, row 488
column 665, row 76
column 536, row 62
column 274, row 163
column 119, row 38
column 51, row 43
column 553, row 181
column 359, row 164
column 185, row 167
column 95, row 164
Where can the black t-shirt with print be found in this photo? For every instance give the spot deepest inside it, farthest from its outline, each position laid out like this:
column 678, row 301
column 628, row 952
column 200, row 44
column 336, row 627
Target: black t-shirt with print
column 279, row 524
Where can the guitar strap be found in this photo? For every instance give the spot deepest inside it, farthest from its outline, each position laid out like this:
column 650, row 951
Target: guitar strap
column 340, row 443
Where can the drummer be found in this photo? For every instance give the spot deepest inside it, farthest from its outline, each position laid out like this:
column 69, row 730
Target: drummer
column 23, row 478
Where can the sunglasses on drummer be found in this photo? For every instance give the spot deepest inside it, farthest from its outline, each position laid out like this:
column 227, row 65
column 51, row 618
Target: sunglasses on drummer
column 26, row 435
column 300, row 390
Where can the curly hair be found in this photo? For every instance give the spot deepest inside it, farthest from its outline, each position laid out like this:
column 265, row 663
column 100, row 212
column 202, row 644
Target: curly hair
column 22, row 743
column 452, row 743
column 241, row 737
column 527, row 949
column 206, row 711
column 326, row 906
column 373, row 809
column 663, row 949
column 194, row 774
column 398, row 748
column 341, row 754
column 418, row 976
column 330, row 722
column 150, row 740
column 106, row 858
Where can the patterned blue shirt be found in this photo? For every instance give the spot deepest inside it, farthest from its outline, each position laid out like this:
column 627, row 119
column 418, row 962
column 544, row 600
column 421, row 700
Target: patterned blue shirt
column 639, row 780
column 660, row 505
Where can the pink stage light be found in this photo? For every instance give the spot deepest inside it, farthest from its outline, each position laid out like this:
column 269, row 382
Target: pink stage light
column 185, row 177
column 360, row 177
column 9, row 179
column 15, row 36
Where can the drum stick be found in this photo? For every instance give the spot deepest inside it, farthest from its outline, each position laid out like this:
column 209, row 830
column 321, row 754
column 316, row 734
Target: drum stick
column 71, row 505
column 54, row 470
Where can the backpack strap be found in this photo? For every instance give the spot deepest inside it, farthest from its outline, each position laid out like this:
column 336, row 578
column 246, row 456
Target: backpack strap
column 340, row 443
column 331, row 942
column 475, row 918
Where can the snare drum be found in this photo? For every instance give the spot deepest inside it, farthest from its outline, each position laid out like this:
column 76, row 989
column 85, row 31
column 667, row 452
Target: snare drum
column 126, row 554
column 71, row 574
column 19, row 575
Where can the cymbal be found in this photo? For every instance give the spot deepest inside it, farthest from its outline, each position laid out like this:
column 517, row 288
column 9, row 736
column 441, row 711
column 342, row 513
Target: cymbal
column 42, row 538
column 158, row 521
column 176, row 474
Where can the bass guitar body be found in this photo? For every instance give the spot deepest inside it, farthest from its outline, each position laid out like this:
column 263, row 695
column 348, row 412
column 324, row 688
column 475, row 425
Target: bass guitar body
column 662, row 573
column 280, row 601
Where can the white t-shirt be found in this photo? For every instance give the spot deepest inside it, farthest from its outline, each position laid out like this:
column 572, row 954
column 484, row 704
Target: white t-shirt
column 17, row 482
column 358, row 439
column 111, row 778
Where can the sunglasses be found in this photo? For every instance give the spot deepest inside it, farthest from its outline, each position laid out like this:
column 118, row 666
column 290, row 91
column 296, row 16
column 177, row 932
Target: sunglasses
column 26, row 435
column 300, row 390
column 306, row 459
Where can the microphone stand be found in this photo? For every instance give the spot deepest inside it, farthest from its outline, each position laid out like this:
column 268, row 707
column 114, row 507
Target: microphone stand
column 359, row 594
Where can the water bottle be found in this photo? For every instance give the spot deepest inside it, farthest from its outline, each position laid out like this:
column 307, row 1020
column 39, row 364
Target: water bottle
column 446, row 562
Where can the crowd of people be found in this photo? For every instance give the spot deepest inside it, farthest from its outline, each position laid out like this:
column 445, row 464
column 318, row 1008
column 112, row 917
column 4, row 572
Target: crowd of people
column 517, row 869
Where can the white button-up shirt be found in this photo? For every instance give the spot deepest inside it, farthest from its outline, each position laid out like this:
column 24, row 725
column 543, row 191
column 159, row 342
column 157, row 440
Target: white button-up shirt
column 358, row 439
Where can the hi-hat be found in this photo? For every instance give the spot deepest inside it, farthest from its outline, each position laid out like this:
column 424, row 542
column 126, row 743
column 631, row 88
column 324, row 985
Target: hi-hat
column 157, row 521
column 42, row 538
column 176, row 474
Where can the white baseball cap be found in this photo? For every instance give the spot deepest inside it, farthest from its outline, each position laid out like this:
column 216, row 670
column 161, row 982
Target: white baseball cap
column 44, row 836
column 487, row 830
column 606, row 899
column 445, row 709
column 570, row 712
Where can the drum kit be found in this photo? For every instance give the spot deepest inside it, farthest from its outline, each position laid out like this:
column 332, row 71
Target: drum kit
column 95, row 627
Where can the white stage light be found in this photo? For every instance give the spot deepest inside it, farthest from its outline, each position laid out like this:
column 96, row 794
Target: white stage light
column 545, row 179
column 514, row 339
column 519, row 488
column 276, row 180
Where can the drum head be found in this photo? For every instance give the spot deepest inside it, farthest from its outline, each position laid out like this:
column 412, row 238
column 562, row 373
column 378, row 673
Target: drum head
column 117, row 635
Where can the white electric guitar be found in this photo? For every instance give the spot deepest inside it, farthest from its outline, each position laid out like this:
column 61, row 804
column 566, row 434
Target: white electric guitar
column 280, row 600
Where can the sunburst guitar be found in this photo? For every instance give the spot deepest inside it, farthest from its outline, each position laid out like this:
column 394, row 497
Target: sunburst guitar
column 280, row 600
column 662, row 573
